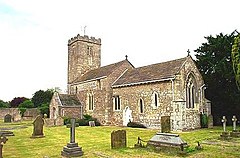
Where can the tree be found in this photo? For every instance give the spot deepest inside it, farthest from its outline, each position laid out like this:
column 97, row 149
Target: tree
column 42, row 97
column 26, row 104
column 236, row 60
column 16, row 101
column 214, row 63
column 4, row 104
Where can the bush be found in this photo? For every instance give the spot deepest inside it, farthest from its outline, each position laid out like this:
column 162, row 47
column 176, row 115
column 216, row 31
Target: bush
column 136, row 125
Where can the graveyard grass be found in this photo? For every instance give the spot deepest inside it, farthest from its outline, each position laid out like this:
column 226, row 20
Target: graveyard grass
column 96, row 142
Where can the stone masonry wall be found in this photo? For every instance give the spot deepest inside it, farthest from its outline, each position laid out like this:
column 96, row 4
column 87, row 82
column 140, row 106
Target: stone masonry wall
column 151, row 116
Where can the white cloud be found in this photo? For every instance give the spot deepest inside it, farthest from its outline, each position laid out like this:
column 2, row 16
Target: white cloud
column 34, row 35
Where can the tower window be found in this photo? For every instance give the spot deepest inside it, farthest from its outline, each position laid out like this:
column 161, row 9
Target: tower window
column 90, row 55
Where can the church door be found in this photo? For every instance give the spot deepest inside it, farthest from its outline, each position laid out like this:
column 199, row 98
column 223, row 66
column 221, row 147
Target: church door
column 54, row 114
column 127, row 116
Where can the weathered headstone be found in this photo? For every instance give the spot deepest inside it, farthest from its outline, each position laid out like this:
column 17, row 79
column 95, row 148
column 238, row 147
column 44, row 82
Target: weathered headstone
column 234, row 120
column 49, row 122
column 3, row 140
column 224, row 121
column 59, row 121
column 8, row 118
column 72, row 149
column 210, row 121
column 235, row 132
column 38, row 127
column 118, row 139
column 91, row 123
column 165, row 124
column 224, row 134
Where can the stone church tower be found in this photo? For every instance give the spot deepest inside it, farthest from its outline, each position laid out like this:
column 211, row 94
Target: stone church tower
column 84, row 54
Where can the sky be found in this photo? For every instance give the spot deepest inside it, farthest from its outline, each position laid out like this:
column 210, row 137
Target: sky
column 34, row 35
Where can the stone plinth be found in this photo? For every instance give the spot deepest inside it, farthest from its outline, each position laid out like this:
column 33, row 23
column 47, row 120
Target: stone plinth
column 72, row 150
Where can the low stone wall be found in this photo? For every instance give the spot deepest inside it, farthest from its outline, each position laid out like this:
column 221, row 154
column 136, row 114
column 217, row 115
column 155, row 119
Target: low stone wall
column 15, row 113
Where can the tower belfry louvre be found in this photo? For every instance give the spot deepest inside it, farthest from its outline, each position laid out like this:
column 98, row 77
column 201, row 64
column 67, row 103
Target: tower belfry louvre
column 84, row 54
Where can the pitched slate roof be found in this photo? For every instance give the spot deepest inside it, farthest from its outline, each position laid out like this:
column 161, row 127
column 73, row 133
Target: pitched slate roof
column 152, row 73
column 100, row 72
column 69, row 100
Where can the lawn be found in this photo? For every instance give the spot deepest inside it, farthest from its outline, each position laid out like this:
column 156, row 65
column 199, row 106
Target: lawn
column 95, row 142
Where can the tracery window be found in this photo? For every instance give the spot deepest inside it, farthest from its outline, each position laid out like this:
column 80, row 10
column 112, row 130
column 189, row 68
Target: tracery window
column 90, row 101
column 116, row 100
column 191, row 92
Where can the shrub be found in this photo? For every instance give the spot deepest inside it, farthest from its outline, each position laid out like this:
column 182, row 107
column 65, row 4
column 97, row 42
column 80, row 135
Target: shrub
column 136, row 125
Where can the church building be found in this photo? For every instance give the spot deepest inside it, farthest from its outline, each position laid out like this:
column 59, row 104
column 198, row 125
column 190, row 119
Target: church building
column 115, row 94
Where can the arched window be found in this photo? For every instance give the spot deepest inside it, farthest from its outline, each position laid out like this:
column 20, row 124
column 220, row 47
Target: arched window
column 191, row 92
column 155, row 102
column 141, row 107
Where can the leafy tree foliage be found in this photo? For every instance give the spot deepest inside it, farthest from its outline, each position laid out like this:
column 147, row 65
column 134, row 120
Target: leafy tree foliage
column 236, row 60
column 4, row 104
column 16, row 101
column 26, row 104
column 42, row 97
column 214, row 63
column 44, row 109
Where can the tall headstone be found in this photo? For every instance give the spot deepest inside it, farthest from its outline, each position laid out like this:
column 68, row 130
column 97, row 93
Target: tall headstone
column 38, row 127
column 165, row 124
column 8, row 118
column 3, row 140
column 234, row 120
column 72, row 149
column 224, row 121
column 225, row 134
column 118, row 139
column 235, row 132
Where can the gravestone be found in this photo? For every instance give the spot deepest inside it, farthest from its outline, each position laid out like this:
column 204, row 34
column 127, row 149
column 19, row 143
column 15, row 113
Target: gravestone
column 49, row 122
column 167, row 139
column 72, row 149
column 118, row 139
column 224, row 134
column 38, row 127
column 59, row 121
column 235, row 132
column 8, row 118
column 210, row 121
column 3, row 140
column 91, row 123
column 165, row 124
column 6, row 133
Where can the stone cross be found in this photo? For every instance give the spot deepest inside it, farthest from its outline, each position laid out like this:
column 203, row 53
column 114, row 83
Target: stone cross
column 234, row 120
column 224, row 121
column 72, row 130
column 3, row 139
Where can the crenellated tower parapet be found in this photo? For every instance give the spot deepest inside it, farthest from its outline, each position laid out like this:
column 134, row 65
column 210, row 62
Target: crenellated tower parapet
column 84, row 38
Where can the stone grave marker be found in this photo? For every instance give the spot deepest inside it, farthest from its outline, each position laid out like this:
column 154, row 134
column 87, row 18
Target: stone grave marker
column 8, row 118
column 224, row 134
column 235, row 132
column 167, row 139
column 91, row 123
column 165, row 124
column 3, row 140
column 72, row 149
column 59, row 121
column 210, row 121
column 234, row 120
column 118, row 139
column 38, row 127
